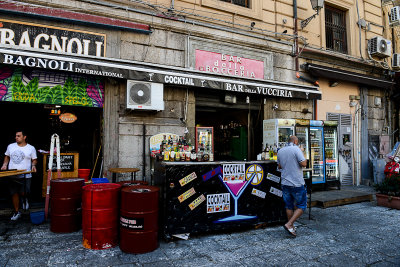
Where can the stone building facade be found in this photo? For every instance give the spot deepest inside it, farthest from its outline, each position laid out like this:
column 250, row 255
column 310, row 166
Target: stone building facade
column 266, row 31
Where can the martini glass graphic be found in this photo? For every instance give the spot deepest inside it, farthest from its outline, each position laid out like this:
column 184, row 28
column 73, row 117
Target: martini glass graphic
column 236, row 187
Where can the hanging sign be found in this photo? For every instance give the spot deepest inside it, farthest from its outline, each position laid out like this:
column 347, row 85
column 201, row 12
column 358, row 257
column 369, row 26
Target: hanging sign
column 68, row 118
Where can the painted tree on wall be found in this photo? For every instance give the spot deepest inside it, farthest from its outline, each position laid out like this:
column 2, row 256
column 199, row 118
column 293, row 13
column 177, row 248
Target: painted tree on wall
column 41, row 86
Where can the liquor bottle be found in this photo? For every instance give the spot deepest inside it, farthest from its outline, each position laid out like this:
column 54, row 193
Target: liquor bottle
column 166, row 155
column 177, row 155
column 263, row 153
column 187, row 153
column 193, row 156
column 266, row 153
column 275, row 152
column 271, row 153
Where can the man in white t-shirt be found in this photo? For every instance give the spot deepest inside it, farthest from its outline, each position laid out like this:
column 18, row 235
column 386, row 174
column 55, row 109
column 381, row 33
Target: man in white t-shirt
column 20, row 156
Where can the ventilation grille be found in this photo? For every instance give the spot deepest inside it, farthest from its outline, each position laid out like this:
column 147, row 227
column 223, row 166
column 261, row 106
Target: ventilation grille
column 396, row 61
column 394, row 18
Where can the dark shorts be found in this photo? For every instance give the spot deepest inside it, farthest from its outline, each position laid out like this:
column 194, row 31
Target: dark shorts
column 294, row 196
column 19, row 185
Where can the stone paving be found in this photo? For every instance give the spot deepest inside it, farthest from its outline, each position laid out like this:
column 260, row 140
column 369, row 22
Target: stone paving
column 360, row 234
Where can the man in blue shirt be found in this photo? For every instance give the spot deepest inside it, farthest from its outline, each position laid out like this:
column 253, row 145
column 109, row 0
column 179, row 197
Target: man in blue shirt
column 291, row 160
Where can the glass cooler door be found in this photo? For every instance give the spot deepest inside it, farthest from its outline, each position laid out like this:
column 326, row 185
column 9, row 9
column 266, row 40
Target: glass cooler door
column 331, row 154
column 205, row 141
column 317, row 155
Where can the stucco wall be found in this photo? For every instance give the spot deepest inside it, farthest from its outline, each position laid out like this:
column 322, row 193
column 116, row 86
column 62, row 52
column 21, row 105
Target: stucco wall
column 335, row 99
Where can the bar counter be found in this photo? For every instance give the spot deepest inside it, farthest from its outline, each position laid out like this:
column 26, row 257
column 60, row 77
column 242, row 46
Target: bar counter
column 198, row 197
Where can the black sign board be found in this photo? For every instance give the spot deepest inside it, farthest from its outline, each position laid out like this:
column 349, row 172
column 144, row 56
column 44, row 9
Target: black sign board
column 52, row 38
column 66, row 161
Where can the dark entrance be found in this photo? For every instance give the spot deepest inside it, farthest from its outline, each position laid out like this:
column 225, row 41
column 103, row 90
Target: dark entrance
column 83, row 136
column 237, row 126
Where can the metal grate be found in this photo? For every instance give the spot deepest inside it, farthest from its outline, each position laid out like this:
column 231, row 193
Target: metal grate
column 243, row 3
column 333, row 117
column 345, row 119
column 335, row 26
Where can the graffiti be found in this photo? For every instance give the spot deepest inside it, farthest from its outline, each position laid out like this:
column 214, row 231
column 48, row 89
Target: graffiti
column 45, row 87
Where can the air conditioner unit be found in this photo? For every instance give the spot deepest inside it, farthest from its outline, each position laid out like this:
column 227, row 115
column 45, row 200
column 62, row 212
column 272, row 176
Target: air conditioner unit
column 394, row 17
column 396, row 61
column 144, row 95
column 380, row 47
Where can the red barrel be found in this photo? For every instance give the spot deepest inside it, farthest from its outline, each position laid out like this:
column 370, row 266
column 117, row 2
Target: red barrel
column 65, row 203
column 100, row 215
column 139, row 219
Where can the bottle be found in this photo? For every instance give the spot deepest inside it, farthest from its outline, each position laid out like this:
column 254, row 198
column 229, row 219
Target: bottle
column 177, row 155
column 275, row 152
column 271, row 153
column 166, row 155
column 187, row 154
column 263, row 153
column 193, row 156
column 266, row 153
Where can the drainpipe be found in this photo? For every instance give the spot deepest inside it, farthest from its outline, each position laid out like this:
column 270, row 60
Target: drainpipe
column 295, row 33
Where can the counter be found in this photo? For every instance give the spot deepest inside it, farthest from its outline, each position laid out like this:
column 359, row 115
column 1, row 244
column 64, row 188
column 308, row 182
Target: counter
column 215, row 196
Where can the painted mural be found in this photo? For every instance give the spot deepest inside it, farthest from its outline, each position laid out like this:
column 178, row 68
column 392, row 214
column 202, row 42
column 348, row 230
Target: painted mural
column 46, row 87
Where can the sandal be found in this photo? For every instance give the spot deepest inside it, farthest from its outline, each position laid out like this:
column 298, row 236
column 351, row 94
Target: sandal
column 291, row 231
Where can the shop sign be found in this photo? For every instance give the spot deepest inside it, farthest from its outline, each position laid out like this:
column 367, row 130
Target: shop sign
column 197, row 202
column 29, row 35
column 275, row 191
column 186, row 195
column 68, row 118
column 273, row 178
column 187, row 179
column 258, row 193
column 255, row 173
column 229, row 64
column 218, row 203
column 110, row 69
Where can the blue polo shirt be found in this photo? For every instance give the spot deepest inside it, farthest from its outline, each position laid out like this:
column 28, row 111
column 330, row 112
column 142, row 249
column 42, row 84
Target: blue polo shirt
column 289, row 157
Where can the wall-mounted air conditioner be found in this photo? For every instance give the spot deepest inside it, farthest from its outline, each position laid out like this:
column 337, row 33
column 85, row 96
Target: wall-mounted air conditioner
column 396, row 61
column 380, row 47
column 394, row 17
column 144, row 95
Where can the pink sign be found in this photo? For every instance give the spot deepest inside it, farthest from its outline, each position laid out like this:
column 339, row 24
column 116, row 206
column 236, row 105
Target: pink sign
column 229, row 65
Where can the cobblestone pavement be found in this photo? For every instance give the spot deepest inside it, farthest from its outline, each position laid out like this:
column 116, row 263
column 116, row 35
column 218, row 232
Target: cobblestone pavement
column 354, row 235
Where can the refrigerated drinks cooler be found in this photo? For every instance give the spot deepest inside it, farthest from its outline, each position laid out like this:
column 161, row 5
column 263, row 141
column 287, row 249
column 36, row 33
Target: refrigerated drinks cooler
column 276, row 132
column 205, row 142
column 331, row 154
column 302, row 132
column 317, row 151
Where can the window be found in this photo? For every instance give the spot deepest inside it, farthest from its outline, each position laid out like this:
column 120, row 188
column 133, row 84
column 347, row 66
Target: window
column 335, row 24
column 243, row 3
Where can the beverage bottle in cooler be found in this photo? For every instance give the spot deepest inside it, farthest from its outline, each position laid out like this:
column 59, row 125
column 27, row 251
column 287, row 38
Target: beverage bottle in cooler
column 271, row 153
column 193, row 156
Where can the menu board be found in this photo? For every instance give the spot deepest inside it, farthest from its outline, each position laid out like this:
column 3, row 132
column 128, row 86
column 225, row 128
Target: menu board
column 66, row 162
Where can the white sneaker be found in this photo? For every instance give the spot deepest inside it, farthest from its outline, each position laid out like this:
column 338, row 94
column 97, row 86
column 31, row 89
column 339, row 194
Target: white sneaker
column 16, row 216
column 25, row 205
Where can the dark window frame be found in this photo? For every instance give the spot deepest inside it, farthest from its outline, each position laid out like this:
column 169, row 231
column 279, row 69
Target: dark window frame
column 242, row 3
column 336, row 29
